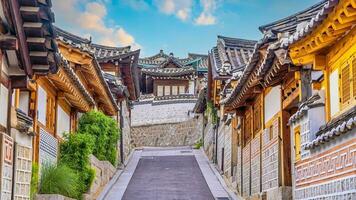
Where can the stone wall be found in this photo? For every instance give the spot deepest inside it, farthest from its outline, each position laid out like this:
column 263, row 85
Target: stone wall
column 126, row 130
column 170, row 134
column 104, row 171
column 209, row 136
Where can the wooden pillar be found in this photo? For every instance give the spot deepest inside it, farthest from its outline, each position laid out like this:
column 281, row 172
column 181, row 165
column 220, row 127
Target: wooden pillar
column 285, row 151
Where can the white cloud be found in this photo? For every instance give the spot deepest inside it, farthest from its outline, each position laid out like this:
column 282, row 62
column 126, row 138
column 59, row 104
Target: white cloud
column 136, row 4
column 91, row 21
column 180, row 8
column 207, row 17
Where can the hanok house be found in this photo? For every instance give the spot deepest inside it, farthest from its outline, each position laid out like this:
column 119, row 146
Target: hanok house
column 166, row 76
column 323, row 129
column 266, row 95
column 227, row 60
column 27, row 49
column 101, row 69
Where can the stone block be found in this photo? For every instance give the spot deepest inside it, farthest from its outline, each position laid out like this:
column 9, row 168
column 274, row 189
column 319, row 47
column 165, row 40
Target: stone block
column 52, row 197
column 279, row 193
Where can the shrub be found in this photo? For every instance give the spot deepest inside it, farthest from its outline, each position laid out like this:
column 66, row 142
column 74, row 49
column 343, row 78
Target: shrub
column 59, row 180
column 198, row 144
column 74, row 153
column 212, row 112
column 34, row 181
column 105, row 133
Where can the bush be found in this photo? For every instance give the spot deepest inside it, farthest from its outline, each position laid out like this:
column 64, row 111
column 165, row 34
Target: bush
column 74, row 153
column 212, row 112
column 198, row 144
column 59, row 180
column 34, row 181
column 105, row 133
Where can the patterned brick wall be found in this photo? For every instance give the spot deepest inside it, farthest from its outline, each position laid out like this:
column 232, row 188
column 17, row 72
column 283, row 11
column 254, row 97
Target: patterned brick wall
column 255, row 165
column 270, row 156
column 246, row 152
column 328, row 175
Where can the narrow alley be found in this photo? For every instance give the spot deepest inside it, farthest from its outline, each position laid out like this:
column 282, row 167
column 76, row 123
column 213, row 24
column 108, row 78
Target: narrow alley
column 167, row 173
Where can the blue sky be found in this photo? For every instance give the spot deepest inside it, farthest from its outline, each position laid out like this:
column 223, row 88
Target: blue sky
column 178, row 26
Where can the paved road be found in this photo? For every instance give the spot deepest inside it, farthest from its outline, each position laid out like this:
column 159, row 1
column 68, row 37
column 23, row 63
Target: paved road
column 167, row 174
column 168, row 177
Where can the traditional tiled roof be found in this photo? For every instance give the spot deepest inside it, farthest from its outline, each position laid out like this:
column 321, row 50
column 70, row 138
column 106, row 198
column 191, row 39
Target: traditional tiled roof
column 342, row 124
column 277, row 48
column 103, row 82
column 65, row 64
column 290, row 23
column 102, row 54
column 169, row 72
column 115, row 86
column 100, row 51
column 316, row 100
column 200, row 105
column 324, row 9
column 230, row 54
column 197, row 61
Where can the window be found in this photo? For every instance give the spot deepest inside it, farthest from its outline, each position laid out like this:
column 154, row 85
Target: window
column 297, row 143
column 345, row 85
column 348, row 82
column 174, row 90
column 159, row 90
column 41, row 105
column 334, row 96
column 4, row 97
column 167, row 90
column 63, row 122
column 51, row 111
column 257, row 113
column 181, row 89
column 247, row 126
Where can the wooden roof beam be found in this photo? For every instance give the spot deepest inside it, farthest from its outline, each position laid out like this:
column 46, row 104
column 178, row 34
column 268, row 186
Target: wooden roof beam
column 8, row 42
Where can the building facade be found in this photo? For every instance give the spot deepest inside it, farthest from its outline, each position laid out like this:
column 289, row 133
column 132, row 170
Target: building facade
column 323, row 129
column 163, row 116
column 284, row 112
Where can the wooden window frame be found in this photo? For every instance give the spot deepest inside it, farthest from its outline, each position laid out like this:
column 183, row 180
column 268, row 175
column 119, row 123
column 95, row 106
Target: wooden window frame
column 350, row 63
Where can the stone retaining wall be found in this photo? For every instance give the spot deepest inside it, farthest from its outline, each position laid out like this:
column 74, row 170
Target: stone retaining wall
column 171, row 134
column 104, row 171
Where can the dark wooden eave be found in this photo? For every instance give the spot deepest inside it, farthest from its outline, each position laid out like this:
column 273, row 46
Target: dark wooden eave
column 32, row 21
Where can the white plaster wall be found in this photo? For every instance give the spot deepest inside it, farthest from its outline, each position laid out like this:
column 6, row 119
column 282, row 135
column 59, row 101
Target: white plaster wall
column 41, row 104
column 63, row 122
column 334, row 92
column 147, row 114
column 191, row 87
column 4, row 97
column 272, row 103
column 24, row 101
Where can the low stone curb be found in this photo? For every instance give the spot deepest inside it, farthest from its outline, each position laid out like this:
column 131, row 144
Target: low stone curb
column 231, row 194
